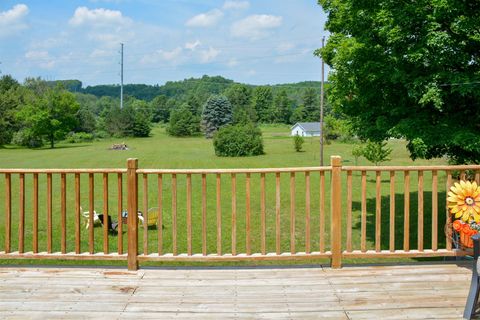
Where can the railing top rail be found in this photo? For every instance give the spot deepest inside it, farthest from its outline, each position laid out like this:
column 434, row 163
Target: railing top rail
column 226, row 171
column 411, row 168
column 63, row 170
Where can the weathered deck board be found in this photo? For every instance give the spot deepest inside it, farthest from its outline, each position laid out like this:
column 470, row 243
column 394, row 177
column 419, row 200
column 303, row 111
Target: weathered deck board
column 414, row 291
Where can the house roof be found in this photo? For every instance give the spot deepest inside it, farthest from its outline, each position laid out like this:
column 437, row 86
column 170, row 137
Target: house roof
column 308, row 126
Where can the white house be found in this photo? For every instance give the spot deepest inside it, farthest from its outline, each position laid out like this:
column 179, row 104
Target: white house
column 306, row 129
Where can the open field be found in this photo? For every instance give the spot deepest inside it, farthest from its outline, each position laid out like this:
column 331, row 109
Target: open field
column 162, row 151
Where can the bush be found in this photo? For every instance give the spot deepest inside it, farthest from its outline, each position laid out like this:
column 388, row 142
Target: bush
column 78, row 137
column 298, row 142
column 376, row 152
column 238, row 141
column 27, row 138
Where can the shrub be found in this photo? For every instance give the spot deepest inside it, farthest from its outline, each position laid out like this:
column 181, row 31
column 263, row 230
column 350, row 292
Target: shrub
column 376, row 152
column 77, row 137
column 298, row 142
column 357, row 152
column 27, row 138
column 238, row 141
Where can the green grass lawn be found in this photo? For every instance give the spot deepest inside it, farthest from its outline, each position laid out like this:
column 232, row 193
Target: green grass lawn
column 161, row 151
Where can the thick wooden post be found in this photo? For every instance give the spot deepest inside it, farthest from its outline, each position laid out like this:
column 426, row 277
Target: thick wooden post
column 336, row 205
column 132, row 208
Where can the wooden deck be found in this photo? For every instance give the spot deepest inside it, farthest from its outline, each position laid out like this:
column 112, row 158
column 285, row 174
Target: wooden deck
column 414, row 291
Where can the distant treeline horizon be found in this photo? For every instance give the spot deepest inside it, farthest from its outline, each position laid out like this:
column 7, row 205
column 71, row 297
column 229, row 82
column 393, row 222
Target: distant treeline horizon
column 215, row 84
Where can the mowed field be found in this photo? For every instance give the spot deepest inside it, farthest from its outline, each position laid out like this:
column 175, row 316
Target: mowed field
column 163, row 152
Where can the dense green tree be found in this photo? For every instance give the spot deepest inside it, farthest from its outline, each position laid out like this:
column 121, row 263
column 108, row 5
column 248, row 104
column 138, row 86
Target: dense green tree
column 408, row 69
column 133, row 120
column 49, row 116
column 297, row 115
column 193, row 104
column 262, row 102
column 11, row 97
column 240, row 96
column 217, row 112
column 160, row 109
column 183, row 122
column 283, row 107
column 86, row 120
column 311, row 106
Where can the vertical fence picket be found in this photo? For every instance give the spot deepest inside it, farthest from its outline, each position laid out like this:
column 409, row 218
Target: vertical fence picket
column 204, row 214
column 77, row 214
column 219, row 213
column 322, row 212
column 8, row 212
column 189, row 214
column 247, row 214
column 63, row 212
column 378, row 211
column 21, row 215
column 35, row 213
column 406, row 211
column 392, row 211
column 277, row 213
column 49, row 213
column 420, row 211
column 174, row 214
column 160, row 214
column 349, row 211
column 106, row 219
column 307, row 213
column 262, row 213
column 434, row 210
column 292, row 213
column 363, row 223
column 234, row 214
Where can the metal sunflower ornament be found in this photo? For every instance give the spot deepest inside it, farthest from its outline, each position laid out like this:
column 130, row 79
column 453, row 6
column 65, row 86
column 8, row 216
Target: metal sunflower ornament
column 464, row 201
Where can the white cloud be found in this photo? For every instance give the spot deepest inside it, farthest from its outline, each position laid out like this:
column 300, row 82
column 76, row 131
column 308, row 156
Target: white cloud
column 207, row 19
column 208, row 55
column 98, row 17
column 40, row 58
column 162, row 55
column 256, row 26
column 11, row 21
column 236, row 5
column 192, row 45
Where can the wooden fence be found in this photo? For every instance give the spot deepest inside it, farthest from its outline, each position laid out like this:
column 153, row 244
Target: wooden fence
column 335, row 212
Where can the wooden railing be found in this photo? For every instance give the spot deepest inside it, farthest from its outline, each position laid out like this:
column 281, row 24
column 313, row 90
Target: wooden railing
column 333, row 212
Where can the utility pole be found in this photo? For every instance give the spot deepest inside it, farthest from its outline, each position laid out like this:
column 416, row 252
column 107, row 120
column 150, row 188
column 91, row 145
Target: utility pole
column 321, row 107
column 121, row 75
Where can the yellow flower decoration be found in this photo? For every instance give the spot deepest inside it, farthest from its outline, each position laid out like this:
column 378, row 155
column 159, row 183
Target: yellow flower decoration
column 464, row 201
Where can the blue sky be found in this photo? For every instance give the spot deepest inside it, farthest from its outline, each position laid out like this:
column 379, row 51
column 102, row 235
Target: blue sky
column 250, row 41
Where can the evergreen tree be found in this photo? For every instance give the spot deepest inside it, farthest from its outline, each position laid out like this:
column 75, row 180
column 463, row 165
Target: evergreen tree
column 217, row 112
column 160, row 110
column 183, row 123
column 240, row 96
column 283, row 110
column 262, row 103
column 311, row 106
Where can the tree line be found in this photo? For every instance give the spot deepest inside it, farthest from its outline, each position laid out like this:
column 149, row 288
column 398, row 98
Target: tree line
column 38, row 112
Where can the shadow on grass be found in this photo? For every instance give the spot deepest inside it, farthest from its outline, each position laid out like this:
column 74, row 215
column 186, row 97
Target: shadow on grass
column 399, row 221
